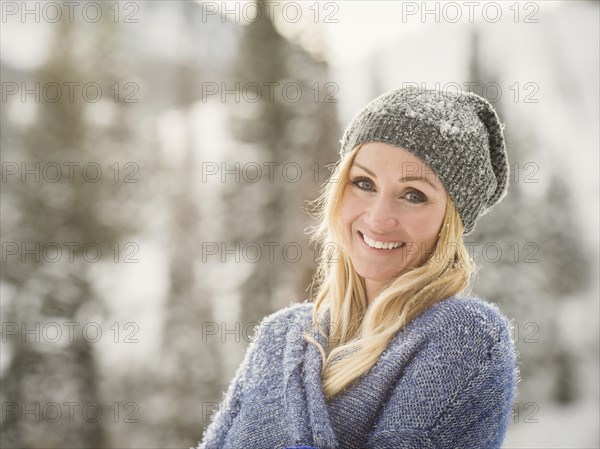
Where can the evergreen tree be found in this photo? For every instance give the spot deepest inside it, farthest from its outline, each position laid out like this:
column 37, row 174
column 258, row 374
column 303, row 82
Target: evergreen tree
column 51, row 287
column 534, row 261
column 296, row 130
column 191, row 369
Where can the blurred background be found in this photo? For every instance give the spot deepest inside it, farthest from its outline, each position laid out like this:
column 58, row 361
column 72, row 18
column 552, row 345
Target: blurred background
column 157, row 159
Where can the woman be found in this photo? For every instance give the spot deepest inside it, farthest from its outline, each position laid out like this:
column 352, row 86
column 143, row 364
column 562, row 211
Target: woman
column 390, row 354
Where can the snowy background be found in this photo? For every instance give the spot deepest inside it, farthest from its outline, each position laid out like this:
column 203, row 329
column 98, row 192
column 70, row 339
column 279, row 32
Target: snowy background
column 176, row 146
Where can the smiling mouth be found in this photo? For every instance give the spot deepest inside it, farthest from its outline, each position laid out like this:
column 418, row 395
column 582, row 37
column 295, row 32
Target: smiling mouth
column 385, row 246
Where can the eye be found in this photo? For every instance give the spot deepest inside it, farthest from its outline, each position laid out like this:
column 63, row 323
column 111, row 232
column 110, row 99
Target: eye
column 362, row 184
column 365, row 184
column 416, row 197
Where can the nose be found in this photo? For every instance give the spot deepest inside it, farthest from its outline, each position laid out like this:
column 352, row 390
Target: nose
column 382, row 216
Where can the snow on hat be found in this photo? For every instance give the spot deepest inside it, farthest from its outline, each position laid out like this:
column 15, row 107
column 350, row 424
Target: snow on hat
column 457, row 134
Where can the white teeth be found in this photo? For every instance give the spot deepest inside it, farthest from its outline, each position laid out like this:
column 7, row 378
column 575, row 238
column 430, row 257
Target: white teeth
column 380, row 245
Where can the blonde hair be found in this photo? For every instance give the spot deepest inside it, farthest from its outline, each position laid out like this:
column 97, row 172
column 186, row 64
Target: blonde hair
column 359, row 331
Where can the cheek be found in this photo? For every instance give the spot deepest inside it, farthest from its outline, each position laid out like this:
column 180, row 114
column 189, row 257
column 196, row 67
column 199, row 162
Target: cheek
column 424, row 226
column 427, row 227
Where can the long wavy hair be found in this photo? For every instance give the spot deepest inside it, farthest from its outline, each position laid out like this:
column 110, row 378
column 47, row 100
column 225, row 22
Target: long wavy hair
column 360, row 330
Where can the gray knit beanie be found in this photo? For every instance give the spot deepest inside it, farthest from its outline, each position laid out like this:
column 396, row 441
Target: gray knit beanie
column 457, row 134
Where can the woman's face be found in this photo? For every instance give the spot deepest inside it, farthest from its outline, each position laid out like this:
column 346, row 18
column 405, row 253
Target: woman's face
column 392, row 211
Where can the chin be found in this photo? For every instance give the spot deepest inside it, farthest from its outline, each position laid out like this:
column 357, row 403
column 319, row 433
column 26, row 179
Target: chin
column 378, row 277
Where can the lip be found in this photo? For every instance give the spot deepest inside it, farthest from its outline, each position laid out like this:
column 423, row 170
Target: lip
column 379, row 250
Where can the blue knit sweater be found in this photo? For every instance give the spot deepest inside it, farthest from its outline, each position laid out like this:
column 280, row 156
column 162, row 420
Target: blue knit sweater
column 447, row 380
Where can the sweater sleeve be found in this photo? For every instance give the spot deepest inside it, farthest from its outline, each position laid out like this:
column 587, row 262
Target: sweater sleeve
column 265, row 336
column 458, row 390
column 215, row 433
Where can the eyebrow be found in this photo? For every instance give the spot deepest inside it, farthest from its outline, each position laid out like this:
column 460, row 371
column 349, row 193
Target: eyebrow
column 403, row 179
